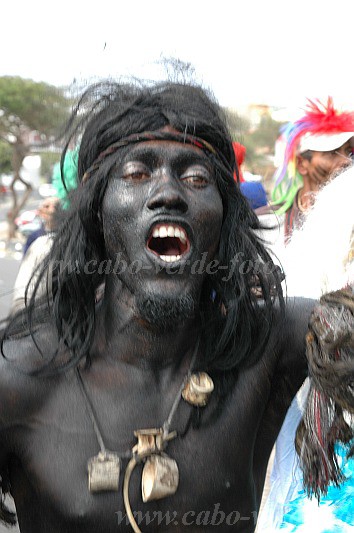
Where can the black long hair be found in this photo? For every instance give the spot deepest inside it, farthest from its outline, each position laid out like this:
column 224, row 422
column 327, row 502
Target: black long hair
column 235, row 322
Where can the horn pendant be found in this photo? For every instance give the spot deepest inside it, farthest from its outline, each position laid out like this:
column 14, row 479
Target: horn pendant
column 160, row 478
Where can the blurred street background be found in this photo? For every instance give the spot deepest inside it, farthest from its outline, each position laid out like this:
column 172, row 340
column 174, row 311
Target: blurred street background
column 10, row 258
column 11, row 252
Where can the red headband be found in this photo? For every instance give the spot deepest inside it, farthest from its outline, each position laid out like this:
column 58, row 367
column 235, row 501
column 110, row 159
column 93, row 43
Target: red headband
column 150, row 136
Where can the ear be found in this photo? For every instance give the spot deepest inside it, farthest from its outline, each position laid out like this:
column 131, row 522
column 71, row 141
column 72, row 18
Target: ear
column 302, row 165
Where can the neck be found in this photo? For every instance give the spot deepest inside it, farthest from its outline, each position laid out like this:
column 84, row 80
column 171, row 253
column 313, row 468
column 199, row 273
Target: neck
column 128, row 337
column 306, row 197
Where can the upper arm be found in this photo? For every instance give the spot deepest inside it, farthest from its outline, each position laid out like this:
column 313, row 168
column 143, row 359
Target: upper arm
column 6, row 413
column 292, row 360
column 6, row 515
column 289, row 365
column 9, row 394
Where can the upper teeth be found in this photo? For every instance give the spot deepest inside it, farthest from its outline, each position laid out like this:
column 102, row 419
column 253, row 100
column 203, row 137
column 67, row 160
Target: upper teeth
column 170, row 231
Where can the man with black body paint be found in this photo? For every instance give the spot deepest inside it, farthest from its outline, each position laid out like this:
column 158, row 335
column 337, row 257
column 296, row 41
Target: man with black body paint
column 82, row 373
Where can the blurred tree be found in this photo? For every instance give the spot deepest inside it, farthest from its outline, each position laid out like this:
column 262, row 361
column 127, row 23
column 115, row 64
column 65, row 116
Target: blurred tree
column 48, row 161
column 266, row 133
column 240, row 127
column 31, row 113
column 259, row 140
column 5, row 157
column 263, row 138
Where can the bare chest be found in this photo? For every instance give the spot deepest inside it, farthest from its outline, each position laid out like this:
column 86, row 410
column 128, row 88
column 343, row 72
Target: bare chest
column 214, row 461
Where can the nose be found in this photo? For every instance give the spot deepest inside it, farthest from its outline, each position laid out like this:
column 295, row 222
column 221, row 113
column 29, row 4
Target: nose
column 168, row 194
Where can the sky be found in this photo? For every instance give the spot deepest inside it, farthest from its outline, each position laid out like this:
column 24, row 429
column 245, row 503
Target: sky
column 275, row 52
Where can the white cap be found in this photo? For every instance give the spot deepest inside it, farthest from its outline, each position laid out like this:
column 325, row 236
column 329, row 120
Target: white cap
column 323, row 142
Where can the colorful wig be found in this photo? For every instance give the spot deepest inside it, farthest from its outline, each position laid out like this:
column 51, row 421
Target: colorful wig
column 319, row 119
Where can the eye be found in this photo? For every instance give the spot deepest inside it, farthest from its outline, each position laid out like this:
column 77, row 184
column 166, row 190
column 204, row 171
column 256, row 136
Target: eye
column 346, row 154
column 197, row 177
column 137, row 175
column 135, row 172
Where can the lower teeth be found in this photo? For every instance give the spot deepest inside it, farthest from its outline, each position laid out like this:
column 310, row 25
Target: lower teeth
column 170, row 258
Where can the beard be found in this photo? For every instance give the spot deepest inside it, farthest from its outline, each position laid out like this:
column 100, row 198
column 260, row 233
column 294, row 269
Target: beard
column 166, row 312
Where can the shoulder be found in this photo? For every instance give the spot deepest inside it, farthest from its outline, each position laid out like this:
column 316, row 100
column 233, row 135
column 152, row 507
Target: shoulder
column 21, row 391
column 41, row 246
column 290, row 322
column 34, row 255
column 298, row 310
column 37, row 251
column 291, row 329
column 33, row 237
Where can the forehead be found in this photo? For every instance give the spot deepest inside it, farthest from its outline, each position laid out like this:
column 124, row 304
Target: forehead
column 165, row 150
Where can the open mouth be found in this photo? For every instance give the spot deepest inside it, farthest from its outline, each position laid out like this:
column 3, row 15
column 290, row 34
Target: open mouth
column 169, row 242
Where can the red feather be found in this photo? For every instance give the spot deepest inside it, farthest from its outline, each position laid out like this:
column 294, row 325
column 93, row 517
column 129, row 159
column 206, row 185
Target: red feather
column 324, row 118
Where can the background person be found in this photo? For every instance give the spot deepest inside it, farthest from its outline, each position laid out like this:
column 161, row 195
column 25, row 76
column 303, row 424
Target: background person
column 37, row 247
column 64, row 176
column 316, row 147
column 46, row 211
column 318, row 259
column 253, row 190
